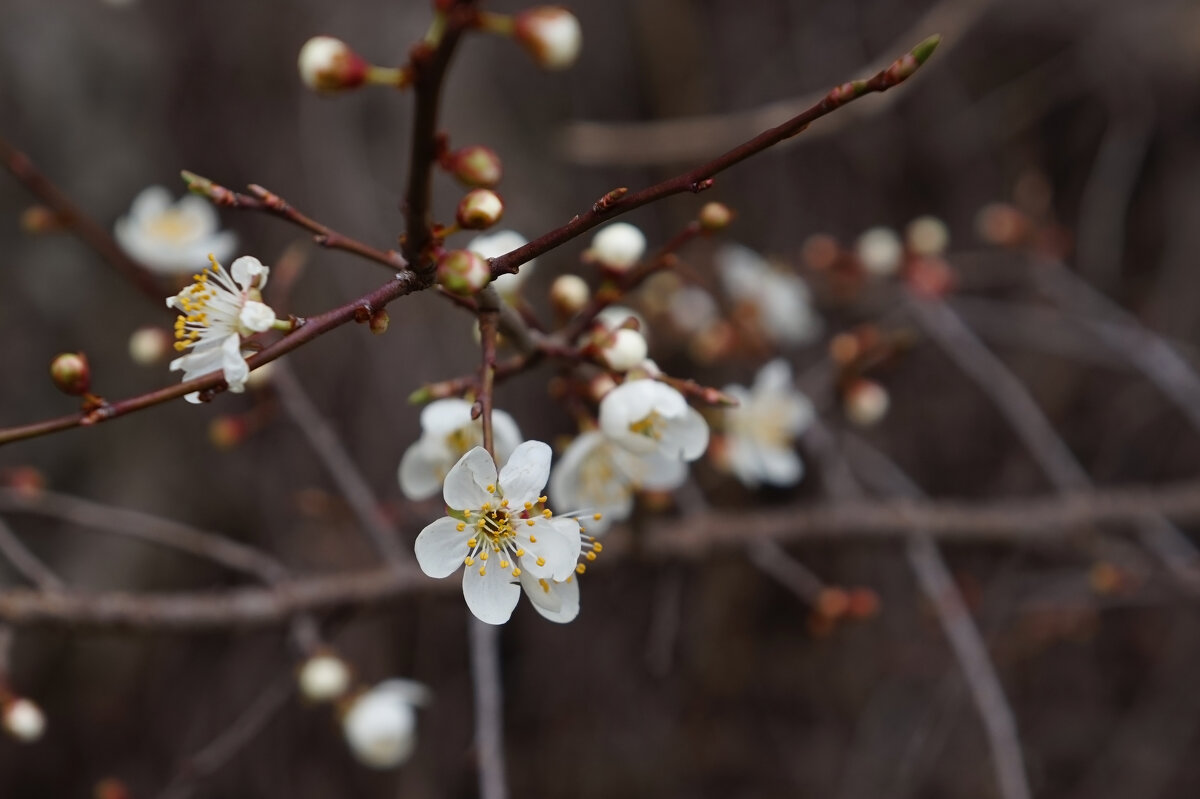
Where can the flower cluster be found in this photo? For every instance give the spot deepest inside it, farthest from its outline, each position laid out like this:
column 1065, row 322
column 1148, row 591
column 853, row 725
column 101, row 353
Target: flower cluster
column 218, row 309
column 761, row 429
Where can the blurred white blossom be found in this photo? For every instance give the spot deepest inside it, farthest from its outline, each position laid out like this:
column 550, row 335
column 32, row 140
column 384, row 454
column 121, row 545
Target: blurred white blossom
column 761, row 430
column 173, row 237
column 780, row 301
column 447, row 433
column 381, row 724
column 646, row 416
column 499, row 243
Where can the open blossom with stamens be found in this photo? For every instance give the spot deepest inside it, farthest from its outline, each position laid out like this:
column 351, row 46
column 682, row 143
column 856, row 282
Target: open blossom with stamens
column 761, row 429
column 598, row 478
column 646, row 416
column 447, row 433
column 780, row 302
column 499, row 528
column 172, row 237
column 219, row 309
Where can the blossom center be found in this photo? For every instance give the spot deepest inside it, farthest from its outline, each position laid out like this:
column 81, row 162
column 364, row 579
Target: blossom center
column 650, row 427
column 172, row 225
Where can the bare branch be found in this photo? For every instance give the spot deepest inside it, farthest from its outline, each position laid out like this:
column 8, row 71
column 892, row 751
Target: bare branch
column 489, row 709
column 25, row 562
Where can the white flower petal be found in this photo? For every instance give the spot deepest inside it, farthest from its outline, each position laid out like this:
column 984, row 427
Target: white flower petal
column 256, row 316
column 661, row 473
column 547, row 550
column 466, row 484
column 150, row 202
column 524, row 476
column 442, row 417
column 491, row 596
column 558, row 602
column 506, row 435
column 441, row 547
column 248, row 271
column 685, row 437
column 421, row 471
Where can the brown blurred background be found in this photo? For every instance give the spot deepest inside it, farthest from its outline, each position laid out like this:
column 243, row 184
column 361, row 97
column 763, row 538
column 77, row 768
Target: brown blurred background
column 698, row 679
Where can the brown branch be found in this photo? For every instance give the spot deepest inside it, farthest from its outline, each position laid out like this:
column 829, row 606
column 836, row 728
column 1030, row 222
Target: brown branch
column 698, row 179
column 27, row 564
column 404, row 283
column 270, row 203
column 78, row 222
column 489, row 316
column 1046, row 520
column 671, row 141
column 146, row 527
column 429, row 66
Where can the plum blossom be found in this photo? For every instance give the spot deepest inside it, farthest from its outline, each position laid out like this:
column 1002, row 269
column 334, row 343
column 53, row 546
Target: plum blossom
column 761, row 429
column 447, row 433
column 219, row 309
column 780, row 301
column 380, row 725
column 499, row 528
column 646, row 416
column 598, row 478
column 172, row 237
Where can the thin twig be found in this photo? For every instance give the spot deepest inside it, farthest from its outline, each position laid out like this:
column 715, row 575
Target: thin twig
column 146, row 527
column 78, row 222
column 699, row 179
column 337, row 461
column 489, row 709
column 968, row 645
column 27, row 564
column 231, row 740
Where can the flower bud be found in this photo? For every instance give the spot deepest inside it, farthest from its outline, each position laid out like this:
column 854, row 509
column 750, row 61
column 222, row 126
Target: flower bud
column 23, row 719
column 379, row 321
column 70, row 372
column 880, row 251
column 380, row 725
column 1002, row 224
column 479, row 209
column 323, row 677
column 40, row 219
column 463, row 272
column 569, row 293
column 150, row 345
column 865, row 402
column 715, row 216
column 820, row 251
column 476, row 166
column 617, row 247
column 927, row 235
column 551, row 34
column 329, row 65
column 226, row 432
column 624, row 349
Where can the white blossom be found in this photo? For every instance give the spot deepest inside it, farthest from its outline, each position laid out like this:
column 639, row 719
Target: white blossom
column 624, row 349
column 499, row 528
column 381, row 725
column 499, row 243
column 646, row 416
column 447, row 433
column 762, row 428
column 220, row 308
column 597, row 478
column 172, row 237
column 613, row 317
column 781, row 301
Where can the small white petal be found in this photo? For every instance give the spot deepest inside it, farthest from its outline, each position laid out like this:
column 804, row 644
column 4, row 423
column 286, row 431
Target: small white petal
column 491, row 596
column 558, row 602
column 524, row 476
column 441, row 547
column 256, row 316
column 551, row 548
column 421, row 471
column 443, row 417
column 248, row 271
column 685, row 437
column 506, row 435
column 466, row 484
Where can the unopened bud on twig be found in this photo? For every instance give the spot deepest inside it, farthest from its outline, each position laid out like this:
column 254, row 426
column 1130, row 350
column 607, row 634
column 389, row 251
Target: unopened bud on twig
column 379, row 321
column 715, row 216
column 551, row 34
column 226, row 432
column 865, row 402
column 23, row 719
column 623, row 349
column 39, row 219
column 617, row 247
column 463, row 272
column 329, row 65
column 569, row 293
column 927, row 235
column 71, row 374
column 880, row 251
column 476, row 166
column 479, row 209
